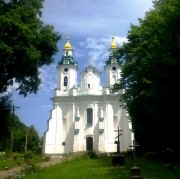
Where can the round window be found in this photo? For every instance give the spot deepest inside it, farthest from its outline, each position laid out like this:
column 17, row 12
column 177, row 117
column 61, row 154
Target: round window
column 114, row 68
column 65, row 69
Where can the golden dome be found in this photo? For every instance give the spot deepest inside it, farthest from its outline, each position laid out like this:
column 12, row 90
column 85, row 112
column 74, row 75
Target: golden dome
column 67, row 45
column 113, row 44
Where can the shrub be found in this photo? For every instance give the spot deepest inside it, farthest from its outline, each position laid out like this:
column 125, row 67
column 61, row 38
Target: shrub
column 92, row 154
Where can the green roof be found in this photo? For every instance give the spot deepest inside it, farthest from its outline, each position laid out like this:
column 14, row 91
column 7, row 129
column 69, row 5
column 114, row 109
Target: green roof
column 69, row 59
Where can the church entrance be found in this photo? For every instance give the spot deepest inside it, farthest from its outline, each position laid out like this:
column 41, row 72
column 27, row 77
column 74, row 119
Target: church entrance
column 89, row 143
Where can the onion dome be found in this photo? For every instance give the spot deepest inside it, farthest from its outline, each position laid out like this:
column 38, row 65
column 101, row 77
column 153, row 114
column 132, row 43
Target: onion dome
column 113, row 44
column 67, row 45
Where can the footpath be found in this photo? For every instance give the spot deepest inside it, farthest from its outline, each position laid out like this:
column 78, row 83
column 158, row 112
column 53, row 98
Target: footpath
column 17, row 170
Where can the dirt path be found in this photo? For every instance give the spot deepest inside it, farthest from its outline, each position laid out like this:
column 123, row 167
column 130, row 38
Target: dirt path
column 17, row 170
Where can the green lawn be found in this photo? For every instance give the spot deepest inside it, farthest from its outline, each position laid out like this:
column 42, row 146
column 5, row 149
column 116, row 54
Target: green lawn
column 83, row 167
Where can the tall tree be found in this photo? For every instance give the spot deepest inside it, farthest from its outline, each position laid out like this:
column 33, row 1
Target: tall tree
column 26, row 44
column 5, row 109
column 33, row 140
column 150, row 76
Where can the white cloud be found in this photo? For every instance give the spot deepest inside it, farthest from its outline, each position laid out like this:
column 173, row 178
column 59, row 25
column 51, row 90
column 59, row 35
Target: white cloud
column 98, row 49
column 48, row 77
column 93, row 17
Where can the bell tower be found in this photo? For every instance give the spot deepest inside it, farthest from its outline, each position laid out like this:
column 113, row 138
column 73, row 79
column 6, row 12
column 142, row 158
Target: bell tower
column 67, row 69
column 112, row 66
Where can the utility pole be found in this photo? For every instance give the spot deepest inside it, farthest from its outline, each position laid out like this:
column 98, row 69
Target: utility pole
column 26, row 141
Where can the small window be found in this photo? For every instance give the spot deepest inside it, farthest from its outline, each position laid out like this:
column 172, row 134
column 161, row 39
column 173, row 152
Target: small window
column 66, row 62
column 89, row 116
column 88, row 85
column 66, row 53
column 65, row 81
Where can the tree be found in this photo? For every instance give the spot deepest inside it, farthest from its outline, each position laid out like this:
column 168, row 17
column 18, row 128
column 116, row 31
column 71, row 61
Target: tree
column 33, row 140
column 5, row 109
column 26, row 139
column 26, row 44
column 149, row 76
column 20, row 131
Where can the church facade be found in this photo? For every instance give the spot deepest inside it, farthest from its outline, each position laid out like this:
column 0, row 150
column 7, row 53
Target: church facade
column 86, row 117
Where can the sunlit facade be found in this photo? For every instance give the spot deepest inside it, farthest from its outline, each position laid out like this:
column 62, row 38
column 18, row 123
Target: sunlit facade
column 86, row 117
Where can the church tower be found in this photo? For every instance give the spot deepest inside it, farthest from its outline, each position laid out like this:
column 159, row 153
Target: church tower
column 112, row 66
column 90, row 80
column 86, row 117
column 67, row 70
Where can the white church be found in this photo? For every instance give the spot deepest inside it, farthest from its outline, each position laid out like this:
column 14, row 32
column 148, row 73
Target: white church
column 86, row 117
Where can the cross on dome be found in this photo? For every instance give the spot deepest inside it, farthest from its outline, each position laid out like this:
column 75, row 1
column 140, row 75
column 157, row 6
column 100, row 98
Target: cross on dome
column 67, row 45
column 113, row 44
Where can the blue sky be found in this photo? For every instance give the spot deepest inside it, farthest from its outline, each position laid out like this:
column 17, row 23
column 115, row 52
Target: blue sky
column 90, row 25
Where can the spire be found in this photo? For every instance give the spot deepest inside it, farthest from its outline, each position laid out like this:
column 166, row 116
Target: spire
column 113, row 44
column 112, row 58
column 67, row 45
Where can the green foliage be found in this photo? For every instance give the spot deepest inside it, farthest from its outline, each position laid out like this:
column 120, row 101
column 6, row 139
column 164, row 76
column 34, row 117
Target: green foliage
column 5, row 109
column 9, row 122
column 33, row 140
column 30, row 166
column 84, row 168
column 47, row 158
column 149, row 76
column 30, row 169
column 26, row 44
column 9, row 161
column 91, row 154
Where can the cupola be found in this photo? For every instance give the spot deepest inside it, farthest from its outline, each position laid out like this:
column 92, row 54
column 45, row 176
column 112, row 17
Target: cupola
column 67, row 45
column 113, row 44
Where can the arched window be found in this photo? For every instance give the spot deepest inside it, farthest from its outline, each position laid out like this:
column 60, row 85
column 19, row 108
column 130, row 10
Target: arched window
column 65, row 81
column 89, row 116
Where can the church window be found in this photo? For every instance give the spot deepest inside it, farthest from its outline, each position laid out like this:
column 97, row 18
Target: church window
column 65, row 81
column 65, row 69
column 66, row 53
column 89, row 116
column 88, row 85
column 66, row 62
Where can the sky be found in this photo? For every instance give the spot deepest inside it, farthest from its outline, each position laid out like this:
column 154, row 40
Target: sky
column 90, row 24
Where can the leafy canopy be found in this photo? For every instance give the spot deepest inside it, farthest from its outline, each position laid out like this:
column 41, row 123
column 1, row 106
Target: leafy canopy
column 26, row 44
column 150, row 76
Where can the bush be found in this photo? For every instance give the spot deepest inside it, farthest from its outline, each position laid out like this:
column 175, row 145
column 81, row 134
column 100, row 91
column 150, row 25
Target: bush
column 30, row 169
column 92, row 154
column 28, row 156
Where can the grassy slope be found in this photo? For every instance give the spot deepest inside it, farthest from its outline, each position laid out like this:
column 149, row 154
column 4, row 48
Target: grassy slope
column 100, row 168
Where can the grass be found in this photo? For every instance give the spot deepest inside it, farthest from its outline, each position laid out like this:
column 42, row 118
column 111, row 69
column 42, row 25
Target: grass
column 89, row 167
column 8, row 161
column 84, row 167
